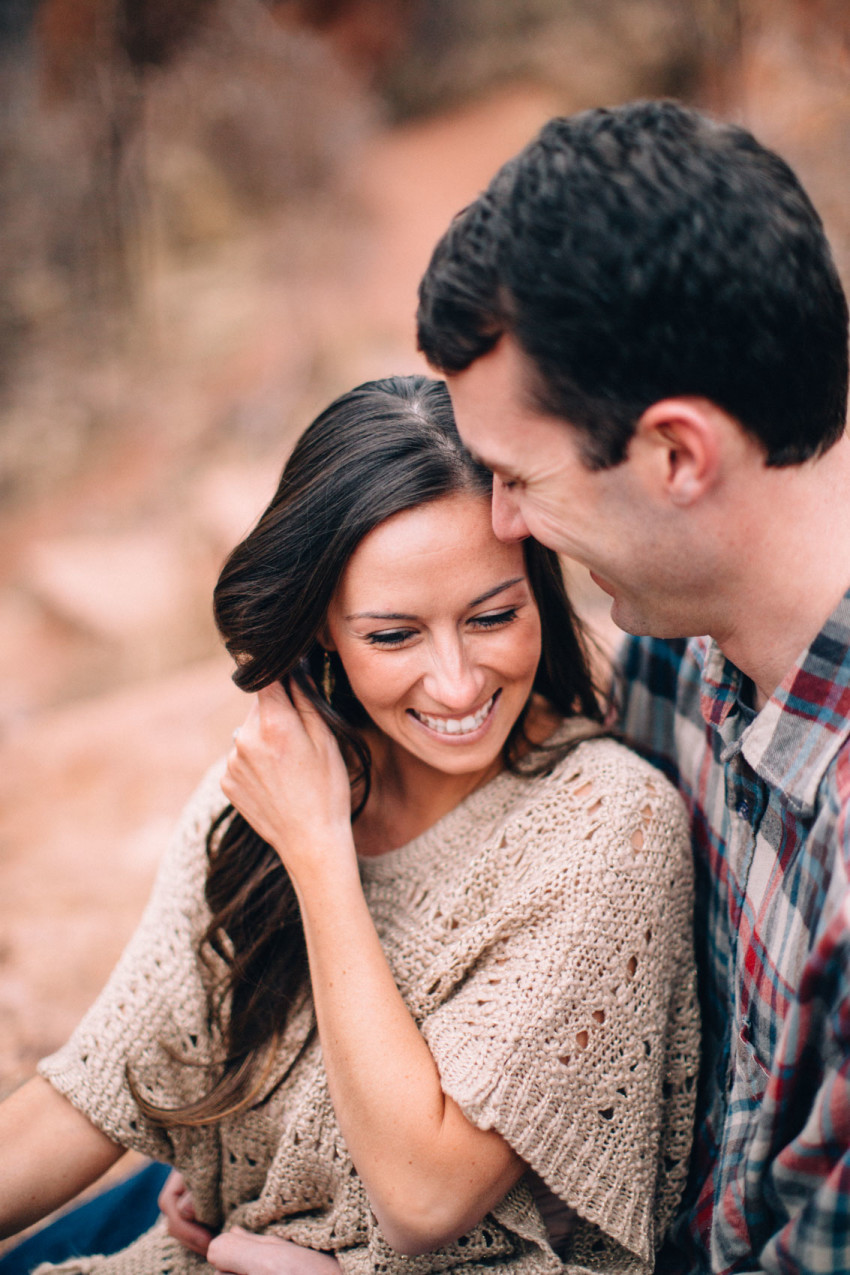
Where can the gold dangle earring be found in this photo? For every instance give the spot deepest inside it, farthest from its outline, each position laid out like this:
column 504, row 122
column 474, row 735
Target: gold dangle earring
column 328, row 679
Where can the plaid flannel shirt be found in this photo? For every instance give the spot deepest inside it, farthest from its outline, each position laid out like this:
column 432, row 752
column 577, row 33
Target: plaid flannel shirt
column 769, row 795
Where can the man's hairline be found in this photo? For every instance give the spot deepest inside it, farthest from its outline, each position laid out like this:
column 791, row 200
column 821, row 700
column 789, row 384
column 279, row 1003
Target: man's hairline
column 531, row 401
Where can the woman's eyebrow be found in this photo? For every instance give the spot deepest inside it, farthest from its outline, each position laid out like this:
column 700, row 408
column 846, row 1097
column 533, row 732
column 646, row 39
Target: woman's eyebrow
column 380, row 615
column 401, row 615
column 491, row 593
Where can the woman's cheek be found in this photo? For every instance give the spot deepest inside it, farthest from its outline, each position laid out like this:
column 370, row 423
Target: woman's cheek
column 378, row 681
column 520, row 652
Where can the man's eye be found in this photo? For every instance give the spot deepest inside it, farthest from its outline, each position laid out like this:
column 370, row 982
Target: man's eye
column 494, row 619
column 389, row 637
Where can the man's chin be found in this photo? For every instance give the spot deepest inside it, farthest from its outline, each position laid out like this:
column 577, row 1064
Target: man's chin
column 629, row 622
column 637, row 623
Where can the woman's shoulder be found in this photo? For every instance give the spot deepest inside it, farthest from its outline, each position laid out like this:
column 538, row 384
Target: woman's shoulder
column 206, row 803
column 183, row 866
column 601, row 781
column 583, row 746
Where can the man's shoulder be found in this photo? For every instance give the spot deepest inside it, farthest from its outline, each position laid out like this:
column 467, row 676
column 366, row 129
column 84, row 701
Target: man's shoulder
column 657, row 687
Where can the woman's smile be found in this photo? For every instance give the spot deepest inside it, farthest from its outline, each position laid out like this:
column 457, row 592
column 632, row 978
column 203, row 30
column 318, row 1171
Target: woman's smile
column 462, row 730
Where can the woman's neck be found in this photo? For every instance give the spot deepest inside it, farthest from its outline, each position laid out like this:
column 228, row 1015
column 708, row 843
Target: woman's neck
column 407, row 797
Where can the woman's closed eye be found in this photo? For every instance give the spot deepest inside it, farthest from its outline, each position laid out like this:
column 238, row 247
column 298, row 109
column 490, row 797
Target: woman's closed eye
column 390, row 637
column 494, row 619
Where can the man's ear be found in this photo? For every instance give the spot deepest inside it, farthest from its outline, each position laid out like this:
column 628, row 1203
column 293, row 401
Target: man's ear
column 679, row 443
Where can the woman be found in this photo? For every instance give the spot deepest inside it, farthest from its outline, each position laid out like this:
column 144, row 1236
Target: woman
column 424, row 987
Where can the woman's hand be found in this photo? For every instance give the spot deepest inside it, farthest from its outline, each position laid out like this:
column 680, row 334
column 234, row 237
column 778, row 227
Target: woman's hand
column 176, row 1205
column 237, row 1252
column 286, row 776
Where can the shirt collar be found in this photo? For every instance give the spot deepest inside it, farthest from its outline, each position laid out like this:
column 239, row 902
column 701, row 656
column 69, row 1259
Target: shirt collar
column 792, row 741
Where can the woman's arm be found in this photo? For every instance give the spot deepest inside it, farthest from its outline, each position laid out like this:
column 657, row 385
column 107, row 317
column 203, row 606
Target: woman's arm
column 430, row 1174
column 49, row 1152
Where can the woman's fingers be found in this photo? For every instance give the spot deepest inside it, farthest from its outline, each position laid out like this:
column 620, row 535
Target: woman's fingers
column 278, row 716
column 273, row 703
column 172, row 1189
column 286, row 776
column 316, row 728
column 238, row 1252
column 176, row 1205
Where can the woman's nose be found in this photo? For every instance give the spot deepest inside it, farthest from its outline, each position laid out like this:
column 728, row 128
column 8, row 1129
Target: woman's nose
column 454, row 681
column 508, row 522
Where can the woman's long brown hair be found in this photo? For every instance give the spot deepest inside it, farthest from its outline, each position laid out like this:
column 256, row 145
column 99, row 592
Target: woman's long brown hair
column 384, row 447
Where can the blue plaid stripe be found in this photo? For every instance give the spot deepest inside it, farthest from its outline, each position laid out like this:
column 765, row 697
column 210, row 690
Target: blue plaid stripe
column 769, row 795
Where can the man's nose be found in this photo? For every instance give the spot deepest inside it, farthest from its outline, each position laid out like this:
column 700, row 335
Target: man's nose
column 508, row 522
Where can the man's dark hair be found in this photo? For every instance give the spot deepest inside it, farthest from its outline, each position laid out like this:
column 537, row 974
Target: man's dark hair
column 643, row 252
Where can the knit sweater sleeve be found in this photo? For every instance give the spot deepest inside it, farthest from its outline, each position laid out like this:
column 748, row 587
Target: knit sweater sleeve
column 569, row 1021
column 153, row 1007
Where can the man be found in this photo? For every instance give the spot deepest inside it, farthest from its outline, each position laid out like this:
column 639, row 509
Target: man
column 645, row 339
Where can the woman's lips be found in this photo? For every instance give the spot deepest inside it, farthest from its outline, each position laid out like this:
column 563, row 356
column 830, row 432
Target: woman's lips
column 460, row 729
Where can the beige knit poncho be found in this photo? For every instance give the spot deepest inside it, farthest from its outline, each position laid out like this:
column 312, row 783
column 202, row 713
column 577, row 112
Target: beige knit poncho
column 540, row 936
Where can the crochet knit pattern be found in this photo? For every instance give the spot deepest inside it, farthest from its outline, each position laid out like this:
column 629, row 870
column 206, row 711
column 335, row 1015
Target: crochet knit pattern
column 540, row 935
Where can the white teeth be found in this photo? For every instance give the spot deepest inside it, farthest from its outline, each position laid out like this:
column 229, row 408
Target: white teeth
column 457, row 725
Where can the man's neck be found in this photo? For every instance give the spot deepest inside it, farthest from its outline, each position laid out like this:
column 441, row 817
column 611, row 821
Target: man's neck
column 794, row 569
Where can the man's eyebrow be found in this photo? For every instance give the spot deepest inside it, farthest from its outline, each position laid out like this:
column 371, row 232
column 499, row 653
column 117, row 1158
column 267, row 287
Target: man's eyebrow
column 493, row 466
column 479, row 460
column 401, row 615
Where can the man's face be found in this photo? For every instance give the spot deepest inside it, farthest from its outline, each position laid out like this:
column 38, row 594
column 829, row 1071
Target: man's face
column 542, row 487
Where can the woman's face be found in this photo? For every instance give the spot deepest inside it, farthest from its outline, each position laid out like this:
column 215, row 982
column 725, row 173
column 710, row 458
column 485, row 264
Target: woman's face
column 437, row 628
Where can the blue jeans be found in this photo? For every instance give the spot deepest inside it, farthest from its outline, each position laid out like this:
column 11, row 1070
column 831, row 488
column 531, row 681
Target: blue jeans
column 105, row 1224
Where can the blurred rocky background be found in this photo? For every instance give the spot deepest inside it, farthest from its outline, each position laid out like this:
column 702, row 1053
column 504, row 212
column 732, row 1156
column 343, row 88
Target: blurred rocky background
column 213, row 217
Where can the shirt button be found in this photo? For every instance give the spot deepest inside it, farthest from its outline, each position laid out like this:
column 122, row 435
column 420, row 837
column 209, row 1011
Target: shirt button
column 744, row 809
